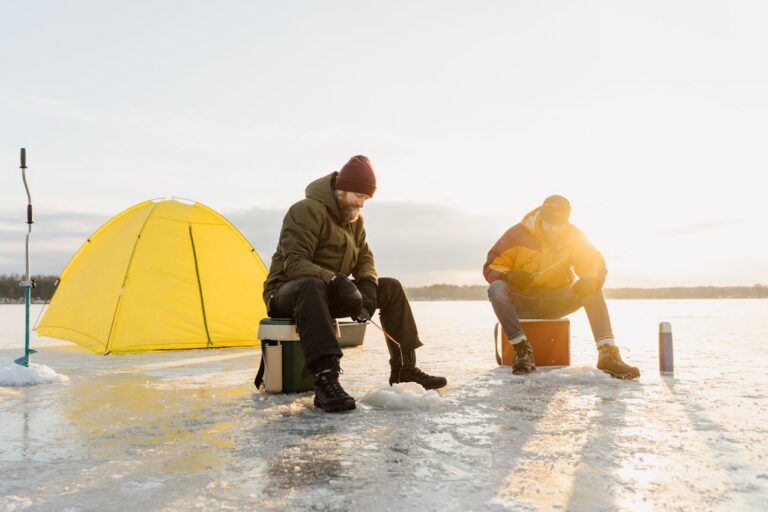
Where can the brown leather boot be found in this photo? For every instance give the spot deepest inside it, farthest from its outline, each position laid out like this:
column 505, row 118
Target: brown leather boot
column 524, row 360
column 609, row 360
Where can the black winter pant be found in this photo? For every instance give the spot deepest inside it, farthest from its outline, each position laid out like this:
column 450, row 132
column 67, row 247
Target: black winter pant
column 306, row 301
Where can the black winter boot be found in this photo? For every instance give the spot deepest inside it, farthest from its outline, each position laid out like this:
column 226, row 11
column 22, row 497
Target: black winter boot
column 609, row 360
column 524, row 360
column 329, row 395
column 405, row 370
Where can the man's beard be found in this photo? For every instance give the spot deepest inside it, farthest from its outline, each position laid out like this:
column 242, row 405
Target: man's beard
column 350, row 213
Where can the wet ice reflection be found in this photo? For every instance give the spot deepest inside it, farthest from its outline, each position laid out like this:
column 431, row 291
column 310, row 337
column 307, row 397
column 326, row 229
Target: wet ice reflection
column 163, row 432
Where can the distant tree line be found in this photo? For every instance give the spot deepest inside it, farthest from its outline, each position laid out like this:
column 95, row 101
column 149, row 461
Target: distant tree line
column 479, row 292
column 11, row 292
column 757, row 291
column 448, row 292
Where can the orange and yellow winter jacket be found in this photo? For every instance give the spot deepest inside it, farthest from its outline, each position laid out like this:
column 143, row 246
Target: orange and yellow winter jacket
column 551, row 261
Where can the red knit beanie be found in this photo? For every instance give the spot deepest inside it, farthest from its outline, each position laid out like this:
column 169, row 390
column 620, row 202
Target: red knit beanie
column 357, row 176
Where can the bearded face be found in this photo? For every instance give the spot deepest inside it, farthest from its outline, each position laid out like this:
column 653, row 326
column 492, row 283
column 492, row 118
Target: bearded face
column 350, row 203
column 552, row 229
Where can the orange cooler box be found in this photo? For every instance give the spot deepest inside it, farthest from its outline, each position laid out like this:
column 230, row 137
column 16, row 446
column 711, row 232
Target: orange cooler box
column 550, row 339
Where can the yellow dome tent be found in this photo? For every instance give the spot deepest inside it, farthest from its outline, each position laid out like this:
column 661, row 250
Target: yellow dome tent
column 160, row 275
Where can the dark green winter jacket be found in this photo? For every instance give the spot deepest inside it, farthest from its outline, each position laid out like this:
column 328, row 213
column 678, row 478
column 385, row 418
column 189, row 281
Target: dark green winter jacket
column 315, row 241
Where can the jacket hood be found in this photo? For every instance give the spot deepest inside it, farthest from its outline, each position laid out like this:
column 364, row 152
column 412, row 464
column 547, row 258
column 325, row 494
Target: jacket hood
column 322, row 190
column 530, row 221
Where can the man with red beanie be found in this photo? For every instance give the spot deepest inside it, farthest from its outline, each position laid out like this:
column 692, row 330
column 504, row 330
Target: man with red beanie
column 531, row 274
column 322, row 243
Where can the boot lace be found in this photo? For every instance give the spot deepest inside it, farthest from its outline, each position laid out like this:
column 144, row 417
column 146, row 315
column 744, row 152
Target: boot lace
column 418, row 373
column 329, row 381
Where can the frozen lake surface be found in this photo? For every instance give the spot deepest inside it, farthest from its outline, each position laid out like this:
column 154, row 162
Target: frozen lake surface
column 186, row 430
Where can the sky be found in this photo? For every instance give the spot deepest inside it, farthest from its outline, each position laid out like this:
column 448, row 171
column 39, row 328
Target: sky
column 649, row 116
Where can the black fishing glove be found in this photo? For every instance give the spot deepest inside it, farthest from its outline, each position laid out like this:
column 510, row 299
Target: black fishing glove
column 369, row 289
column 344, row 295
column 586, row 286
column 519, row 279
column 362, row 317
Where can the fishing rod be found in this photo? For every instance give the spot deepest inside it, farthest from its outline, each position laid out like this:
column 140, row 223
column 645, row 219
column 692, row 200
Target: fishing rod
column 540, row 272
column 28, row 283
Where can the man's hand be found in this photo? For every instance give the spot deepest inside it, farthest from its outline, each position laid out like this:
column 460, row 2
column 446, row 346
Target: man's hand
column 519, row 279
column 341, row 286
column 369, row 291
column 344, row 295
column 586, row 287
column 362, row 317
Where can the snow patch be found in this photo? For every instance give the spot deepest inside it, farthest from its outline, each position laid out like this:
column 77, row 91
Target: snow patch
column 16, row 375
column 406, row 395
column 574, row 374
column 13, row 503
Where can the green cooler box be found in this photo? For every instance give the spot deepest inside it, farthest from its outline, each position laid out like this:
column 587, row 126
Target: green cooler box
column 282, row 360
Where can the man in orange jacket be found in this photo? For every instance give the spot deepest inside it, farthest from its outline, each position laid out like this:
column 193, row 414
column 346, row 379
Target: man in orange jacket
column 531, row 274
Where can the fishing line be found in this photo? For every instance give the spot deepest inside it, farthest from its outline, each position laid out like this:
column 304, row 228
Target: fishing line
column 399, row 348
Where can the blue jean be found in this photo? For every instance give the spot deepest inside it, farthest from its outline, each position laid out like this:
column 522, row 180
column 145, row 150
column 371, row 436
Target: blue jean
column 511, row 304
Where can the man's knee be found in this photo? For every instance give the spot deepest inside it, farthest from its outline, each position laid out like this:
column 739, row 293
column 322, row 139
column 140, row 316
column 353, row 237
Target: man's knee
column 310, row 291
column 498, row 292
column 311, row 285
column 389, row 285
column 390, row 292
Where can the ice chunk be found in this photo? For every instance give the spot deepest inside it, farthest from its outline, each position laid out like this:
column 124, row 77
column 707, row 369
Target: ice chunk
column 407, row 395
column 13, row 503
column 15, row 375
column 574, row 375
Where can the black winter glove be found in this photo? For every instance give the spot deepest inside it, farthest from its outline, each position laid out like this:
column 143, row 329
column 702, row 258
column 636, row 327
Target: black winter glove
column 519, row 279
column 586, row 287
column 362, row 317
column 344, row 295
column 369, row 290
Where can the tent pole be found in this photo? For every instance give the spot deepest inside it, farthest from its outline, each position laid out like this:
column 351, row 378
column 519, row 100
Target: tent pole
column 200, row 287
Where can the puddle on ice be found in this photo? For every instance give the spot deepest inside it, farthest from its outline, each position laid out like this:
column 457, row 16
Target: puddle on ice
column 141, row 487
column 204, row 381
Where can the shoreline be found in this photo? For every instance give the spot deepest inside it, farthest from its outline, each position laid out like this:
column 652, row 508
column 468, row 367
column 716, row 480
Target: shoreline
column 475, row 299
